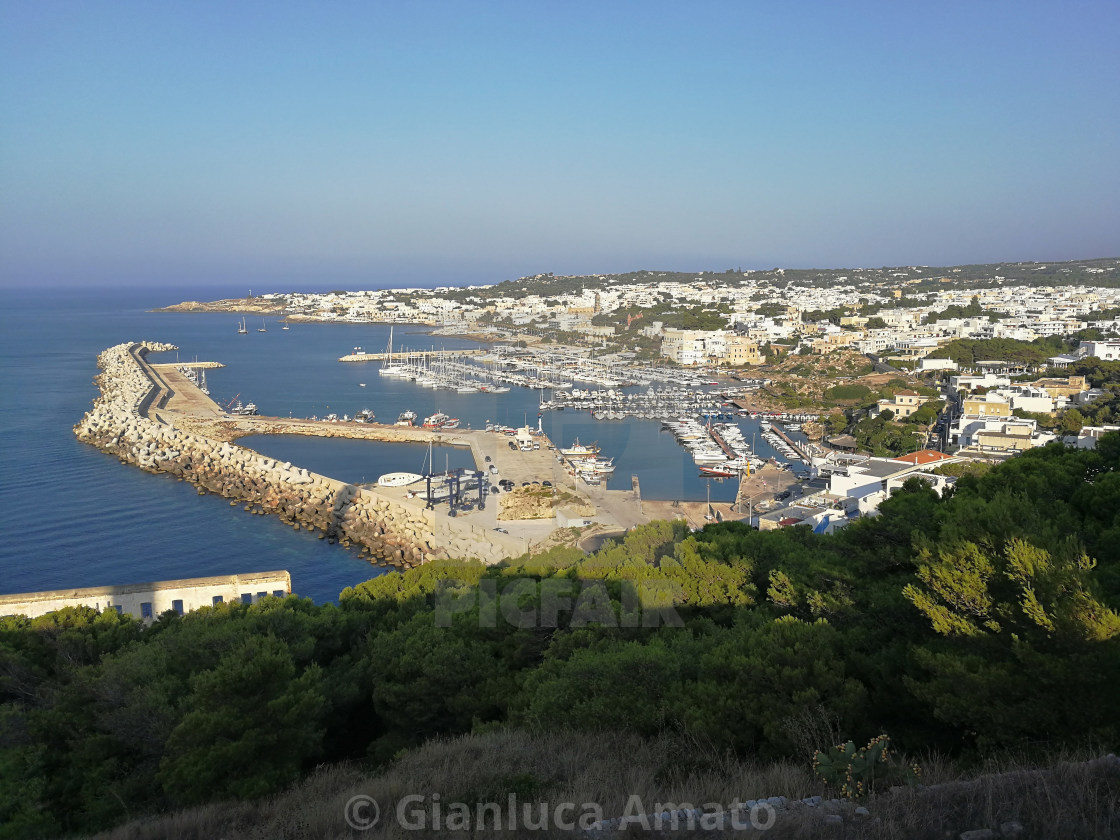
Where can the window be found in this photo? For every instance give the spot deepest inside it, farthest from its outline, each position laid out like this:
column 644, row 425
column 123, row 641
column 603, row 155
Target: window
column 262, row 595
column 246, row 597
column 279, row 593
column 177, row 605
column 117, row 607
column 146, row 609
column 217, row 600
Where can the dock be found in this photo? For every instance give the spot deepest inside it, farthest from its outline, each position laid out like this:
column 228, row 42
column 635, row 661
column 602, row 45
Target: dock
column 797, row 447
column 426, row 355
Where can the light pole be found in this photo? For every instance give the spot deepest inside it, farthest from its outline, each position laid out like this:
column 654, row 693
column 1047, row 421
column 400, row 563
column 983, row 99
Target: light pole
column 750, row 507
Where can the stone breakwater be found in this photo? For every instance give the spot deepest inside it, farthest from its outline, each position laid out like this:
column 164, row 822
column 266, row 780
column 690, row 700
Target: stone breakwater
column 384, row 529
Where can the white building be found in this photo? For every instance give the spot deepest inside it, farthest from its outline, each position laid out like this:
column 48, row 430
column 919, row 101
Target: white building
column 147, row 601
column 1107, row 351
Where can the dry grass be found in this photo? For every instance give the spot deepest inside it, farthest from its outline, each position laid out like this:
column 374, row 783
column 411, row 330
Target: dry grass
column 1067, row 800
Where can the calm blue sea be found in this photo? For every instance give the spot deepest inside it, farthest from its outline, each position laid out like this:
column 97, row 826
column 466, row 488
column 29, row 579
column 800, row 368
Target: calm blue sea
column 71, row 516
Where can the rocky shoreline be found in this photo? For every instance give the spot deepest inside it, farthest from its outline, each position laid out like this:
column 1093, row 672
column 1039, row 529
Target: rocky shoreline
column 384, row 530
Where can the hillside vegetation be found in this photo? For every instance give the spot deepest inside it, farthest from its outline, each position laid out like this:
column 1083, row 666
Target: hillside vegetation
column 983, row 621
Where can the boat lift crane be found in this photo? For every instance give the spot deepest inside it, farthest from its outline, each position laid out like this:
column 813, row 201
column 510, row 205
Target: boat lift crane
column 456, row 493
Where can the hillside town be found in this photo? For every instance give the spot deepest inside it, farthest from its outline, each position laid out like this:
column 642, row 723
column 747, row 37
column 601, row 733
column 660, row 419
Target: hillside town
column 742, row 317
column 910, row 372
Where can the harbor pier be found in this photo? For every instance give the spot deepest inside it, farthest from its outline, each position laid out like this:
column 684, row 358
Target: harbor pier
column 159, row 420
column 154, row 416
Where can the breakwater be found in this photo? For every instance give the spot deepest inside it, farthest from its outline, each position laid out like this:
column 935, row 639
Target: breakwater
column 388, row 530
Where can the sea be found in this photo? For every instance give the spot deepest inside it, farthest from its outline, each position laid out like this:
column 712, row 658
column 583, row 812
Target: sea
column 72, row 516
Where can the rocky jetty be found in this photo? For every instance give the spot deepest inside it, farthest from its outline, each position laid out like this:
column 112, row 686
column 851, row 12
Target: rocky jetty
column 384, row 529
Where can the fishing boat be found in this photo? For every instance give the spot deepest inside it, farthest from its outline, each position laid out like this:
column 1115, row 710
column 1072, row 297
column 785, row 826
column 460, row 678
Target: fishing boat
column 579, row 450
column 435, row 421
column 364, row 416
column 247, row 410
column 453, row 423
column 406, row 418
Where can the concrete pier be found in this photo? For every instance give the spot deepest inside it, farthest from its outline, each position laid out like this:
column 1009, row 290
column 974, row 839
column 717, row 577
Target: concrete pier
column 156, row 420
column 794, row 445
column 410, row 354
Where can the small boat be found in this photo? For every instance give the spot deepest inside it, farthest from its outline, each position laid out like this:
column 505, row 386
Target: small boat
column 398, row 479
column 262, row 329
column 578, row 450
column 716, row 472
column 435, row 421
column 247, row 410
column 285, row 327
column 364, row 416
column 361, row 384
column 453, row 423
column 241, row 328
column 406, row 418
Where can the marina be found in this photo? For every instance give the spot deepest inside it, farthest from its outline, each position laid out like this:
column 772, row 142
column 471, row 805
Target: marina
column 292, row 376
column 504, row 457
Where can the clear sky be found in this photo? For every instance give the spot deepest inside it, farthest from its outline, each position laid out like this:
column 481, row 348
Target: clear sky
column 367, row 143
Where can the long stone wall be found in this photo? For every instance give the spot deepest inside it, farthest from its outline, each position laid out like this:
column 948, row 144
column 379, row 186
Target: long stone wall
column 387, row 530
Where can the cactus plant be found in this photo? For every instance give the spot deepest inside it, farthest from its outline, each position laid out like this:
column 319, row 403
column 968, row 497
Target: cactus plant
column 854, row 770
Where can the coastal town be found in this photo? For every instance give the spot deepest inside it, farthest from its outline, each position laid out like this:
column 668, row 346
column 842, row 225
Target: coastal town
column 870, row 381
column 573, row 420
column 740, row 317
column 880, row 375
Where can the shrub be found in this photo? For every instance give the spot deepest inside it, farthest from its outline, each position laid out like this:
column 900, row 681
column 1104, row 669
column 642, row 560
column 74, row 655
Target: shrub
column 854, row 391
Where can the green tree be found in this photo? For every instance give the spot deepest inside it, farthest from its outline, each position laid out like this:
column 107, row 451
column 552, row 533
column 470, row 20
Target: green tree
column 251, row 724
column 617, row 685
column 1030, row 647
column 752, row 681
column 1072, row 421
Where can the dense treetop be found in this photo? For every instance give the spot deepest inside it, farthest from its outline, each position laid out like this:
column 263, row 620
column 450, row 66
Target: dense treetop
column 984, row 619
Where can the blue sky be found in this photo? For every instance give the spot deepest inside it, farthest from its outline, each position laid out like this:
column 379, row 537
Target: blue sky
column 370, row 143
